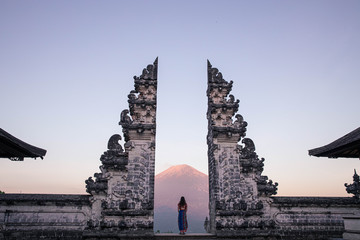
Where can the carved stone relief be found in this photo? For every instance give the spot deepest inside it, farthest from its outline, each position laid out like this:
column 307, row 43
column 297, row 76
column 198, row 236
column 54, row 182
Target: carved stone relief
column 237, row 191
column 123, row 192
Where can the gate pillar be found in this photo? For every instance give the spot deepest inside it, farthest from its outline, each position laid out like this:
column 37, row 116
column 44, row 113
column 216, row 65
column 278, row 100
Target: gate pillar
column 123, row 192
column 238, row 193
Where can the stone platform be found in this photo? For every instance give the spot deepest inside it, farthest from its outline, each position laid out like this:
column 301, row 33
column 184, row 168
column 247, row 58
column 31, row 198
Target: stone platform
column 197, row 236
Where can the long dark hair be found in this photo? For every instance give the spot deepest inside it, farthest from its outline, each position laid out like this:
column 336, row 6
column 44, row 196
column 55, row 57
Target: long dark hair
column 182, row 201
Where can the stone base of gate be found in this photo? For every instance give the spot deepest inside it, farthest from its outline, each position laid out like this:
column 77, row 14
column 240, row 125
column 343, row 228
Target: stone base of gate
column 206, row 236
column 40, row 234
column 139, row 235
column 188, row 236
column 176, row 236
column 71, row 235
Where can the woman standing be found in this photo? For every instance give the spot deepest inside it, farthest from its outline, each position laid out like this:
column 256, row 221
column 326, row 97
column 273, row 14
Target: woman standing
column 182, row 221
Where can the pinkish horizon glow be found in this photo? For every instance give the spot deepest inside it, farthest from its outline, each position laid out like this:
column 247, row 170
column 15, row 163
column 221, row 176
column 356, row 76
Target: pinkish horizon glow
column 67, row 68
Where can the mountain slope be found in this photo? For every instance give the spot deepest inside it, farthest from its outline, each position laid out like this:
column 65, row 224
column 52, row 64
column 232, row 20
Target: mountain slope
column 170, row 185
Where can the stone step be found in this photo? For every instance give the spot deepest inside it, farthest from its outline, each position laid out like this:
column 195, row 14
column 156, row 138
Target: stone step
column 188, row 236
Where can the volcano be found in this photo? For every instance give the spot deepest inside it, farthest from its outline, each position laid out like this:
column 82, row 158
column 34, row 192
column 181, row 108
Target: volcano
column 170, row 185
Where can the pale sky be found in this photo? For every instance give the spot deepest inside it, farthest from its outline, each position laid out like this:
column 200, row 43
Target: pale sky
column 66, row 68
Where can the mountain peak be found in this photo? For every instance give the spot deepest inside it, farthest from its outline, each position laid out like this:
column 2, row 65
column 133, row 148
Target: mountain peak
column 170, row 185
column 180, row 170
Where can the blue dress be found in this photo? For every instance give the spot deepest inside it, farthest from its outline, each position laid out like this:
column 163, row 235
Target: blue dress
column 182, row 220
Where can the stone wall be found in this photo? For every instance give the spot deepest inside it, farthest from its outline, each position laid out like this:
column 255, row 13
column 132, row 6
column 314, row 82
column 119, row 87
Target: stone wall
column 311, row 217
column 37, row 216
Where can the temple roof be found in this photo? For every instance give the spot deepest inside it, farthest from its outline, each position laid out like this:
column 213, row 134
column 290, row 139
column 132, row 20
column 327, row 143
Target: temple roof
column 15, row 149
column 347, row 146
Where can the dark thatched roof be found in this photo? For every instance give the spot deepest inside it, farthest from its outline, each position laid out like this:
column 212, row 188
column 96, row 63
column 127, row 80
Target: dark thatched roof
column 15, row 149
column 347, row 146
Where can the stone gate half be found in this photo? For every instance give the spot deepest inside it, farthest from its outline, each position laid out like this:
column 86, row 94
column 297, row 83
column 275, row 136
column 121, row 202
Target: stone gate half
column 123, row 192
column 241, row 204
column 238, row 193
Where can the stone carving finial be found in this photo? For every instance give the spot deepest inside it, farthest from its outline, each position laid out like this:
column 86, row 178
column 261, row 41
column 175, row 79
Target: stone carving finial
column 354, row 188
column 132, row 95
column 240, row 123
column 125, row 118
column 249, row 160
column 214, row 74
column 150, row 72
column 216, row 80
column 114, row 157
column 249, row 149
column 99, row 185
column 266, row 187
column 113, row 143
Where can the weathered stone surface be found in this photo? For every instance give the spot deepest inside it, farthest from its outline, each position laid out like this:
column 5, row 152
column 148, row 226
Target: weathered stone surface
column 42, row 216
column 42, row 199
column 324, row 202
column 238, row 192
column 241, row 205
column 123, row 193
column 312, row 217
